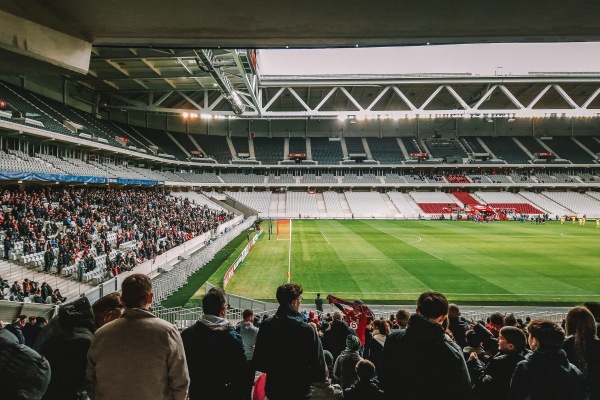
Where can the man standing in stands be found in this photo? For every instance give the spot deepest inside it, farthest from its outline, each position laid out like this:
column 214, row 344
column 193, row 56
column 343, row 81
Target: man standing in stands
column 288, row 349
column 137, row 356
column 215, row 354
column 334, row 338
column 422, row 361
column 319, row 303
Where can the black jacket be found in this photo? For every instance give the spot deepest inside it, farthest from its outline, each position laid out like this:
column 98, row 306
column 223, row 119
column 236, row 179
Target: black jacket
column 334, row 338
column 492, row 381
column 65, row 342
column 547, row 375
column 424, row 363
column 364, row 391
column 216, row 361
column 591, row 369
column 459, row 327
column 290, row 352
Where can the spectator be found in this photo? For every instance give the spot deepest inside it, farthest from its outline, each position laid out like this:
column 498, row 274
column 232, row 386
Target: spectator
column 16, row 328
column 583, row 347
column 215, row 354
column 137, row 336
column 334, row 338
column 34, row 329
column 248, row 331
column 546, row 372
column 496, row 323
column 46, row 291
column 402, row 317
column 492, row 381
column 380, row 334
column 344, row 369
column 107, row 308
column 319, row 303
column 594, row 308
column 24, row 374
column 288, row 350
column 326, row 390
column 65, row 342
column 410, row 356
column 366, row 387
column 457, row 325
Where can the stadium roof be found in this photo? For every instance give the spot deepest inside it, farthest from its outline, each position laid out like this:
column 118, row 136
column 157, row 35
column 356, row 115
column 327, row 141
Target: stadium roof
column 175, row 57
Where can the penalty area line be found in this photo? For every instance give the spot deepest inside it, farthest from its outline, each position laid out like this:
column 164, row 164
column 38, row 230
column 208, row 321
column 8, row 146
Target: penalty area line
column 325, row 236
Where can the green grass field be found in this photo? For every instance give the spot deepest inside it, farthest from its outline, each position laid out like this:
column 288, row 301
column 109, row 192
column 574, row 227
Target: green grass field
column 386, row 261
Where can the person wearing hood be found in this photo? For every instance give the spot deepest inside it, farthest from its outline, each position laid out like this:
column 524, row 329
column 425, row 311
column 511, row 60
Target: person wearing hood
column 138, row 355
column 366, row 387
column 289, row 350
column 24, row 374
column 421, row 361
column 546, row 373
column 334, row 337
column 344, row 369
column 215, row 353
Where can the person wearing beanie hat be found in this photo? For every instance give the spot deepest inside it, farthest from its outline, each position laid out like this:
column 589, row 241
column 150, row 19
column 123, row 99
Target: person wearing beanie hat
column 344, row 370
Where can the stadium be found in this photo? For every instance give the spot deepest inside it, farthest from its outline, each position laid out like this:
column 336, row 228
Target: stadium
column 367, row 160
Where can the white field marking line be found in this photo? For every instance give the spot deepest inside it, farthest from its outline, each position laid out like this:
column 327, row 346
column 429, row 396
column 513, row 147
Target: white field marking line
column 386, row 259
column 474, row 294
column 324, row 236
column 409, row 243
column 566, row 235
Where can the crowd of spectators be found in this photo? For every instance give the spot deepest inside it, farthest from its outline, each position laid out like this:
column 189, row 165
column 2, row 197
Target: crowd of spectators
column 433, row 353
column 75, row 226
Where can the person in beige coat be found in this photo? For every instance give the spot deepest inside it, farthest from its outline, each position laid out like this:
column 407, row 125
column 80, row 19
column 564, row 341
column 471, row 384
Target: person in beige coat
column 137, row 356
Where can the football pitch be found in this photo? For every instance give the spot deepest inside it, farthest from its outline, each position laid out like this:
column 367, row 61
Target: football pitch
column 387, row 261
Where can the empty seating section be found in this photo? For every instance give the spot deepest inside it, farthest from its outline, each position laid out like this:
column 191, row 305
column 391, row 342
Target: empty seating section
column 577, row 202
column 595, row 195
column 297, row 145
column 258, row 201
column 332, row 203
column 589, row 176
column 301, row 203
column 365, row 178
column 324, row 178
column 354, row 145
column 477, row 178
column 385, row 150
column 509, row 201
column 402, row 204
column 268, row 151
column 325, row 151
column 134, row 134
column 367, row 203
column 241, row 146
column 567, row 148
column 17, row 101
column 410, row 144
column 472, row 144
column 591, row 143
column 395, row 178
column 522, row 178
column 164, row 142
column 434, row 202
column 412, row 178
column 466, row 198
column 506, row 149
column 242, row 178
column 198, row 178
column 499, row 178
column 215, row 147
column 441, row 148
column 545, row 203
column 532, row 145
column 186, row 142
column 282, row 179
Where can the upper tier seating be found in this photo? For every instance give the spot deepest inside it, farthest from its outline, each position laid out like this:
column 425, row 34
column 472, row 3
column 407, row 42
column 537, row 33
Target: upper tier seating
column 442, row 148
column 215, row 147
column 385, row 150
column 242, row 178
column 532, row 145
column 240, row 144
column 410, row 144
column 325, row 151
column 164, row 142
column 506, row 149
column 473, row 144
column 395, row 178
column 591, row 143
column 323, row 178
column 268, row 151
column 297, row 145
column 566, row 148
column 354, row 145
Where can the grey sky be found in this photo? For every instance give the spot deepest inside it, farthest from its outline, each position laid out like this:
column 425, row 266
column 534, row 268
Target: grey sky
column 477, row 59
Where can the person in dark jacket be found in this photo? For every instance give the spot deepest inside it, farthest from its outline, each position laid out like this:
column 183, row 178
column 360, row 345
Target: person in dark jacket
column 215, row 354
column 492, row 381
column 457, row 325
column 546, row 373
column 422, row 361
column 65, row 342
column 583, row 347
column 24, row 374
column 366, row 387
column 334, row 338
column 289, row 350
